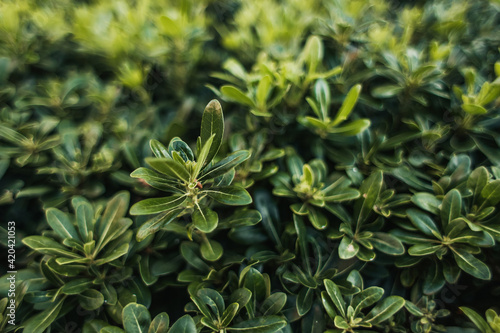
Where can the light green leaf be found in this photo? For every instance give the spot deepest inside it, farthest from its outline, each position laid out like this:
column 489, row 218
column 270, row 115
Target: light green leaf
column 347, row 105
column 235, row 94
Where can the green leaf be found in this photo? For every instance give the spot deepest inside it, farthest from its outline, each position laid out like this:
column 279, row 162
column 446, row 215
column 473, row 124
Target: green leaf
column 491, row 194
column 423, row 223
column 91, row 299
column 184, row 325
column 385, row 309
column 85, row 219
column 426, row 201
column 477, row 181
column 94, row 326
column 202, row 156
column 76, row 286
column 268, row 324
column 41, row 321
column 387, row 243
column 48, row 246
column 154, row 224
column 470, row 264
column 177, row 146
column 263, row 90
column 157, row 205
column 423, row 249
column 474, row 109
column 211, row 250
column 242, row 217
column 136, row 318
column 160, row 323
column 205, row 219
column 225, row 165
column 230, row 195
column 212, row 124
column 318, row 219
column 169, row 167
column 366, row 298
column 347, row 105
column 241, row 296
column 12, row 136
column 237, row 95
column 348, row 248
column 451, row 207
column 370, row 190
column 111, row 329
column 158, row 149
column 386, row 91
column 351, row 128
column 433, row 279
column 336, row 296
column 304, row 300
column 322, row 94
column 477, row 320
column 60, row 223
column 115, row 209
column 229, row 314
column 273, row 304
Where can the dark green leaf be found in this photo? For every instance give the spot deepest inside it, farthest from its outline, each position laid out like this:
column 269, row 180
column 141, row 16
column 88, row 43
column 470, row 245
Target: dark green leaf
column 470, row 264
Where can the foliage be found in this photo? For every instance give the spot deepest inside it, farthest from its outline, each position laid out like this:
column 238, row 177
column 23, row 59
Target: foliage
column 250, row 166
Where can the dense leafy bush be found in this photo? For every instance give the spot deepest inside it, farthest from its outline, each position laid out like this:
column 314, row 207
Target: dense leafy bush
column 349, row 182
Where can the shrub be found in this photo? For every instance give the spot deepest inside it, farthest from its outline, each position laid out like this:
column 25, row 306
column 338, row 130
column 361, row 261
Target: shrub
column 258, row 166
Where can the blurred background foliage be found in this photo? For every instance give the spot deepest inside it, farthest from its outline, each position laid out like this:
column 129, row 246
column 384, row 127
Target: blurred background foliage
column 395, row 104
